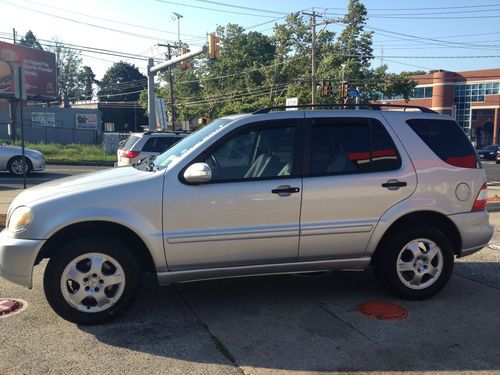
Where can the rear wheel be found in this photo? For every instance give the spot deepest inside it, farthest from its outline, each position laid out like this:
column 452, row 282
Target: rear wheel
column 91, row 281
column 415, row 264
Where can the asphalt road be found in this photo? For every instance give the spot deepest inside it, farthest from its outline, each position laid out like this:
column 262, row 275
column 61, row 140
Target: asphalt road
column 262, row 325
column 51, row 172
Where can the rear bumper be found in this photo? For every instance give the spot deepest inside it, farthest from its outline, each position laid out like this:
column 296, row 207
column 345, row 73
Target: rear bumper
column 475, row 231
column 17, row 258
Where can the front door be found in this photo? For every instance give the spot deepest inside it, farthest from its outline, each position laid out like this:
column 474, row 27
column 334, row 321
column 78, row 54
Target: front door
column 249, row 213
column 353, row 173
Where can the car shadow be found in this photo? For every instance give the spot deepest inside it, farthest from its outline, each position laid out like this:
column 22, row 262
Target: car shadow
column 301, row 323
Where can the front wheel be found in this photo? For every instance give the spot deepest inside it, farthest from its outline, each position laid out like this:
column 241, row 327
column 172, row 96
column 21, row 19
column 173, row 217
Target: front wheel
column 91, row 281
column 15, row 166
column 416, row 263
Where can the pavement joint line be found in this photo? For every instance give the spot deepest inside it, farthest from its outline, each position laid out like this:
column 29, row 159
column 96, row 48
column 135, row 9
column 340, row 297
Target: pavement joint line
column 324, row 308
column 475, row 281
column 217, row 342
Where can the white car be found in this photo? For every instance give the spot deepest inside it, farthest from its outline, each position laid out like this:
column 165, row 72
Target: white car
column 11, row 160
column 141, row 145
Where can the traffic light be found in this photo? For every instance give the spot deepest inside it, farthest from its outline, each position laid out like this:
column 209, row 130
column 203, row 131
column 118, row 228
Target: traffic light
column 213, row 46
column 345, row 89
column 326, row 88
column 185, row 64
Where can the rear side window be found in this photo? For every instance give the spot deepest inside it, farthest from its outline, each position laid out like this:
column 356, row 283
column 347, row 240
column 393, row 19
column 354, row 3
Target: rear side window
column 351, row 145
column 159, row 144
column 132, row 140
column 447, row 140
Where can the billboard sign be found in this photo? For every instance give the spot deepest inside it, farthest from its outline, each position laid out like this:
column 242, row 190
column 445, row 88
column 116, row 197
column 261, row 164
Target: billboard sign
column 43, row 119
column 86, row 121
column 39, row 70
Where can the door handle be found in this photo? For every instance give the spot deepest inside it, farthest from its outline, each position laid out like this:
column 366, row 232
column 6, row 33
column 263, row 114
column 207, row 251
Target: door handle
column 394, row 184
column 285, row 190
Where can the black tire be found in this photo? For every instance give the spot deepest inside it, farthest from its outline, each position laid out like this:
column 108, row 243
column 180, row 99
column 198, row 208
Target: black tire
column 17, row 159
column 386, row 260
column 111, row 249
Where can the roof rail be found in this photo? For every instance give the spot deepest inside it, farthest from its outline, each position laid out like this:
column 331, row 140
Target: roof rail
column 373, row 106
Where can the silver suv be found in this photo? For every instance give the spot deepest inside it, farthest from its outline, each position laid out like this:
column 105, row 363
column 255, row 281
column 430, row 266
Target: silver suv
column 264, row 193
column 139, row 146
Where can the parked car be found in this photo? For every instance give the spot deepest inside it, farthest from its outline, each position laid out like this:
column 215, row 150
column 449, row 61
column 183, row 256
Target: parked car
column 489, row 152
column 141, row 145
column 269, row 192
column 11, row 160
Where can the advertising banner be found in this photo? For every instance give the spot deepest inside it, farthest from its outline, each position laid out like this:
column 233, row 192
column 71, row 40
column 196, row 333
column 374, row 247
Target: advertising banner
column 43, row 119
column 39, row 70
column 86, row 121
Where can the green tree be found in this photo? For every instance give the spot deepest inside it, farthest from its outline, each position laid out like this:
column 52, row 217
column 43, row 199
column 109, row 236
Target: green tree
column 121, row 86
column 86, row 79
column 30, row 40
column 68, row 68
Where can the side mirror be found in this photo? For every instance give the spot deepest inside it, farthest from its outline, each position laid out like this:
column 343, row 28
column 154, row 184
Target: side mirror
column 198, row 173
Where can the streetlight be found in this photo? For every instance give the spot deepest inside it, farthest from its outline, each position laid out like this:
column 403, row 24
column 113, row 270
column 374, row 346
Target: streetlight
column 178, row 17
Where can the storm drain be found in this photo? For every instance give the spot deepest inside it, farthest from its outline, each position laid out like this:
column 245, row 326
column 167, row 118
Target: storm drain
column 11, row 306
column 383, row 310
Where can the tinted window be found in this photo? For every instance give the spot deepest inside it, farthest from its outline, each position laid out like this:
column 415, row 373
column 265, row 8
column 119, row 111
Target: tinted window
column 447, row 140
column 351, row 146
column 159, row 144
column 264, row 152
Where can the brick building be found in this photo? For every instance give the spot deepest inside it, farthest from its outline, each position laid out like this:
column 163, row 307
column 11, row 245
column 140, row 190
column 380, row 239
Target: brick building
column 471, row 97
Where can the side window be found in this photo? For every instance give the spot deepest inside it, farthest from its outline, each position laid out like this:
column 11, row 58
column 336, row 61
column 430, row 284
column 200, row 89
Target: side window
column 164, row 143
column 150, row 145
column 345, row 146
column 264, row 152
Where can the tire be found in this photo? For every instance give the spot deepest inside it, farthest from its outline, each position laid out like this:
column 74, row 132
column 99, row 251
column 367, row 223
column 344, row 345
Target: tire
column 91, row 281
column 15, row 166
column 407, row 270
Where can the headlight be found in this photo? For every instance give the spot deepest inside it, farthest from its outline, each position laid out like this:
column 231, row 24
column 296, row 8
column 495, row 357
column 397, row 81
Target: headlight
column 20, row 219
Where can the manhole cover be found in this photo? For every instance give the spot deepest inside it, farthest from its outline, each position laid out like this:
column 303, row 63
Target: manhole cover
column 11, row 306
column 383, row 310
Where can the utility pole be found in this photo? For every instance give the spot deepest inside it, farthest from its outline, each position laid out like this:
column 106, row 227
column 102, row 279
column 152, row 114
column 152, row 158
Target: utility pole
column 170, row 82
column 14, row 35
column 313, row 16
column 313, row 55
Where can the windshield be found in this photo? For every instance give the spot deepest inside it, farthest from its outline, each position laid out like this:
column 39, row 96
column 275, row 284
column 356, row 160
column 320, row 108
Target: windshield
column 177, row 151
column 491, row 147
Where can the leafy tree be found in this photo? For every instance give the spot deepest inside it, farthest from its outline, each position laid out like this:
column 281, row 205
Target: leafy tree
column 86, row 79
column 68, row 68
column 30, row 40
column 122, row 84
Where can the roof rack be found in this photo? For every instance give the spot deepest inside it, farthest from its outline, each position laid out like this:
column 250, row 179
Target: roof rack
column 373, row 106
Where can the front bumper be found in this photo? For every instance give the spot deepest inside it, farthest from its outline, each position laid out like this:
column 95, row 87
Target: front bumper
column 17, row 258
column 38, row 164
column 475, row 231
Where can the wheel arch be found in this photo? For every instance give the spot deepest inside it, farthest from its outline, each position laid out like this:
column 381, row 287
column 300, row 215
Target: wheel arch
column 100, row 228
column 428, row 218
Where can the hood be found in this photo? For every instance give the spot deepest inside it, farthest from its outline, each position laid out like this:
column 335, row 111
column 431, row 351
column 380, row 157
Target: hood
column 88, row 182
column 17, row 149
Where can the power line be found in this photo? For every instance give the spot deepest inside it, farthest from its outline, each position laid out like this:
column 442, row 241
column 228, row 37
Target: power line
column 213, row 9
column 240, row 7
column 82, row 22
column 111, row 20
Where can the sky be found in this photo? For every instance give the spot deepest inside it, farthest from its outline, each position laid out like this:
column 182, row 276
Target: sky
column 454, row 35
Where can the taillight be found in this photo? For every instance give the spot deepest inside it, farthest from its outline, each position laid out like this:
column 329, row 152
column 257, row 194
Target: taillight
column 130, row 154
column 480, row 202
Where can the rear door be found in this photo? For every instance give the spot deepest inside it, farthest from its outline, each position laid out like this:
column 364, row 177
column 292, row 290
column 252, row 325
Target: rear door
column 354, row 170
